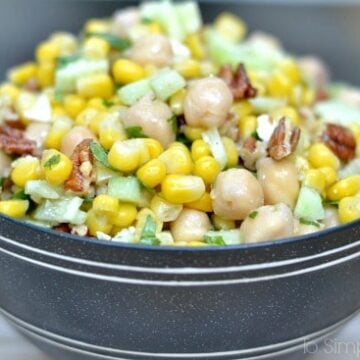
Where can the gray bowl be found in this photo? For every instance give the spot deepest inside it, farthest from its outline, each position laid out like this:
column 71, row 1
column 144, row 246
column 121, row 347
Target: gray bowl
column 79, row 298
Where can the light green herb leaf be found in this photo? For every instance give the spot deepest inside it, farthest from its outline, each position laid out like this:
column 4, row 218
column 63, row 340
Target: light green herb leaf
column 53, row 161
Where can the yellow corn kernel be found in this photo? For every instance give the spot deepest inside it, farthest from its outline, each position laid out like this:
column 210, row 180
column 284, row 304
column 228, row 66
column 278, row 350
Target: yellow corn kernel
column 126, row 71
column 58, row 111
column 110, row 130
column 177, row 102
column 74, row 105
column 141, row 220
column 97, row 26
column 222, row 224
column 96, row 48
column 47, row 51
column 207, row 168
column 105, row 205
column 154, row 147
column 164, row 210
column 195, row 244
column 97, row 85
column 309, row 96
column 177, row 160
column 96, row 103
column 196, row 46
column 56, row 166
column 315, row 179
column 189, row 68
column 87, row 116
column 152, row 173
column 66, row 42
column 208, row 68
column 199, row 149
column 279, row 85
column 124, row 156
column 320, row 155
column 14, row 208
column 242, row 109
column 193, row 133
column 182, row 189
column 97, row 223
column 247, row 126
column 349, row 209
column 343, row 188
column 10, row 90
column 231, row 152
column 125, row 215
column 230, row 27
column 330, row 175
column 46, row 74
column 203, row 204
column 58, row 130
column 288, row 112
column 25, row 169
column 21, row 74
column 291, row 69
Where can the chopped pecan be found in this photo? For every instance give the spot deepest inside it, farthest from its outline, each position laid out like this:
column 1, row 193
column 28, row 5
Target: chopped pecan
column 13, row 141
column 341, row 141
column 250, row 144
column 251, row 151
column 65, row 228
column 238, row 82
column 282, row 143
column 82, row 174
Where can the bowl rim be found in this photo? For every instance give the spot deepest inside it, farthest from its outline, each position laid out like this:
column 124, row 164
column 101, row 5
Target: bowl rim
column 283, row 242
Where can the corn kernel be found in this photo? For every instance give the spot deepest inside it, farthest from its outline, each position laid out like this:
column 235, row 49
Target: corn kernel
column 86, row 116
column 291, row 70
column 177, row 102
column 141, row 218
column 193, row 133
column 125, row 216
column 154, row 147
column 164, row 210
column 207, row 168
column 152, row 173
column 242, row 109
column 189, row 68
column 203, row 204
column 97, row 26
column 66, row 42
column 330, row 175
column 10, row 91
column 124, row 156
column 196, row 46
column 74, row 105
column 96, row 223
column 346, row 187
column 177, row 160
column 96, row 103
column 106, row 205
column 287, row 112
column 96, row 48
column 58, row 130
column 57, row 167
column 126, row 71
column 47, row 52
column 320, row 155
column 349, row 209
column 315, row 179
column 14, row 208
column 46, row 74
column 110, row 130
column 247, row 126
column 279, row 85
column 97, row 85
column 25, row 169
column 230, row 27
column 181, row 189
column 222, row 224
column 199, row 149
column 21, row 74
column 231, row 152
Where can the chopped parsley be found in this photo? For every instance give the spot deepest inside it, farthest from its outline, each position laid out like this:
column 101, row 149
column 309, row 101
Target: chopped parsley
column 174, row 124
column 146, row 21
column 64, row 61
column 52, row 161
column 134, row 132
column 331, row 203
column 309, row 222
column 183, row 139
column 255, row 135
column 2, row 181
column 148, row 235
column 114, row 41
column 100, row 154
column 214, row 240
column 108, row 103
column 20, row 196
column 253, row 214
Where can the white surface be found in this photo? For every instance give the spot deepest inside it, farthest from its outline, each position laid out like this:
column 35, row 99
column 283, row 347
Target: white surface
column 345, row 346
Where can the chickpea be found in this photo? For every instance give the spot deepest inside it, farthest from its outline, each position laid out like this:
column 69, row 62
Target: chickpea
column 152, row 117
column 37, row 132
column 279, row 180
column 314, row 70
column 236, row 193
column 73, row 138
column 124, row 21
column 5, row 165
column 270, row 223
column 191, row 225
column 152, row 49
column 207, row 103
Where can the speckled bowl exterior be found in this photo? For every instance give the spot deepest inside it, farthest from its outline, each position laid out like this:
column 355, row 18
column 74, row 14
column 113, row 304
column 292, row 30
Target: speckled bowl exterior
column 81, row 299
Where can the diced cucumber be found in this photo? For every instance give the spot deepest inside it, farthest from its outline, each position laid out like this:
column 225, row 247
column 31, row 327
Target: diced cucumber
column 189, row 16
column 41, row 189
column 263, row 105
column 65, row 210
column 104, row 174
column 223, row 237
column 165, row 238
column 213, row 139
column 166, row 83
column 338, row 112
column 125, row 236
column 126, row 189
column 132, row 93
column 309, row 205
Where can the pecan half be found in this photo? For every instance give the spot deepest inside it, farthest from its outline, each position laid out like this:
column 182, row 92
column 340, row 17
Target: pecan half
column 251, row 151
column 13, row 142
column 238, row 82
column 65, row 228
column 82, row 174
column 341, row 141
column 283, row 143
